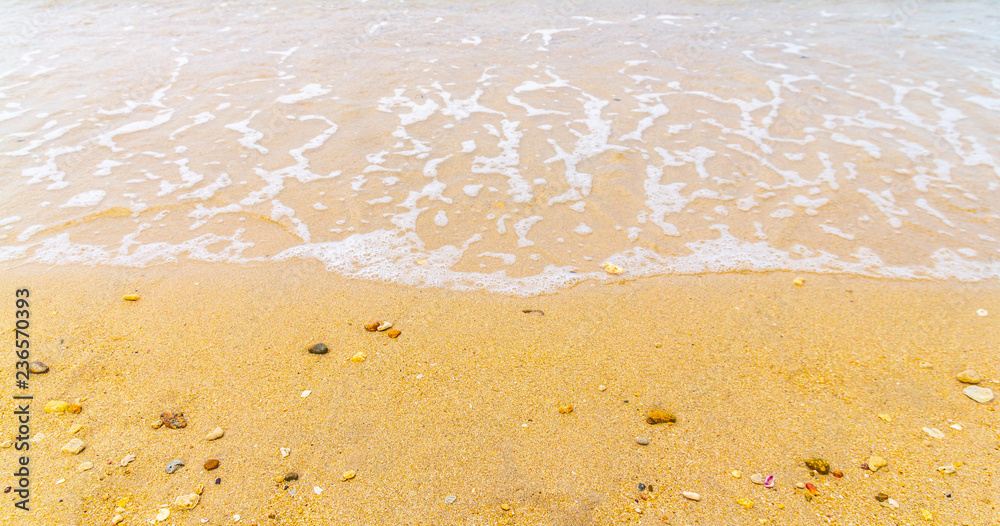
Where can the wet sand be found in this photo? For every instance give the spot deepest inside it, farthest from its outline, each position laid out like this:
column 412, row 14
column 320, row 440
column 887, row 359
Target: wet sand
column 761, row 373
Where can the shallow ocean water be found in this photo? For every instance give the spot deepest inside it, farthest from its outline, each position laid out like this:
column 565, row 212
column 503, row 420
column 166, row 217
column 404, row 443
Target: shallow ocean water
column 513, row 147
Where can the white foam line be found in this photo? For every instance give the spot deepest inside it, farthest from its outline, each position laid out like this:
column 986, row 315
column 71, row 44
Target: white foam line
column 250, row 135
column 309, row 91
column 107, row 139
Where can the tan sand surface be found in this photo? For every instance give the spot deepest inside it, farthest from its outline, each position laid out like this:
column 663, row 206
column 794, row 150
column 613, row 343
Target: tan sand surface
column 761, row 373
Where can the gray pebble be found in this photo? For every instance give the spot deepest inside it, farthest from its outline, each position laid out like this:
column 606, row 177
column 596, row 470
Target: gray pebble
column 38, row 368
column 449, row 499
column 642, row 441
column 173, row 466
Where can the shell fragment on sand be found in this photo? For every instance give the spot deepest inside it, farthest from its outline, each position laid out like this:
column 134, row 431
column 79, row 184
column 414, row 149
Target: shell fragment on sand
column 215, row 434
column 979, row 394
column 690, row 495
column 187, row 502
column 74, row 446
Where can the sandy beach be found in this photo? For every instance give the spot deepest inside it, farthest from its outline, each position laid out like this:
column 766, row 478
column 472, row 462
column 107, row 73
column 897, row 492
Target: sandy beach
column 457, row 421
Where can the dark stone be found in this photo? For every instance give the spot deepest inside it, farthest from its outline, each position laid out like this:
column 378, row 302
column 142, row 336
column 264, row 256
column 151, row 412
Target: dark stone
column 319, row 348
column 291, row 476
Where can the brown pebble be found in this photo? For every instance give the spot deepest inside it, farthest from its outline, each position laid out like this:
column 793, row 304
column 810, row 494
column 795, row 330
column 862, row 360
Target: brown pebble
column 74, row 408
column 211, row 464
column 837, row 474
column 174, row 421
column 881, row 497
column 566, row 409
column 291, row 476
column 393, row 333
column 372, row 326
column 319, row 348
column 38, row 368
column 659, row 416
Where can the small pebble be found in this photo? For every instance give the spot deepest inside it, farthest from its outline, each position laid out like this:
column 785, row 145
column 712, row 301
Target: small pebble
column 659, row 416
column 126, row 460
column 156, row 424
column 505, row 507
column 6, row 444
column 85, row 466
column 393, row 333
column 757, row 478
column 162, row 514
column 566, row 409
column 55, row 406
column 746, row 503
column 690, row 495
column 291, row 476
column 947, row 469
column 642, row 441
column 319, row 348
column 642, row 487
column 211, row 464
column 881, row 497
column 968, row 376
column 74, row 446
column 173, row 466
column 317, row 490
column 187, row 502
column 173, row 420
column 131, row 297
column 602, row 388
column 799, row 281
column 386, row 325
column 837, row 474
column 812, row 488
column 614, row 270
column 885, row 417
column 926, row 515
column 449, row 499
column 359, row 357
column 979, row 394
column 819, row 465
column 800, row 485
column 117, row 519
column 891, row 503
column 934, row 432
column 215, row 434
column 284, row 451
column 306, row 393
column 75, row 428
column 982, row 312
column 736, row 473
column 876, row 463
column 38, row 368
column 74, row 409
column 348, row 475
column 372, row 326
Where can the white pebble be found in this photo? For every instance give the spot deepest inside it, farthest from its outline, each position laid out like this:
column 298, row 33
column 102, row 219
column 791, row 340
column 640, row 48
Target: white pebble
column 306, row 393
column 285, row 451
column 317, row 490
column 979, row 394
column 982, row 312
column 934, row 432
column 126, row 460
column 215, row 434
column 690, row 495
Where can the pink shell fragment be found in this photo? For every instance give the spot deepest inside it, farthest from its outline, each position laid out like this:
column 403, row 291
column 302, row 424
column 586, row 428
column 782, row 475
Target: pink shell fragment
column 769, row 481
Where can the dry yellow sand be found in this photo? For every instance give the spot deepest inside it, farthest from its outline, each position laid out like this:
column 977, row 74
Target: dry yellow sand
column 760, row 372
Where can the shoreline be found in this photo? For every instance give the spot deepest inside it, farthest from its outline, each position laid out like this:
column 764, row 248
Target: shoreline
column 760, row 372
